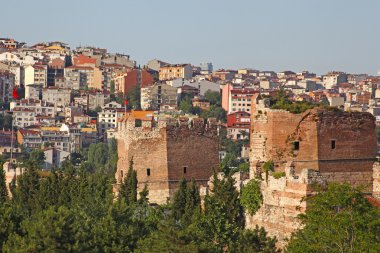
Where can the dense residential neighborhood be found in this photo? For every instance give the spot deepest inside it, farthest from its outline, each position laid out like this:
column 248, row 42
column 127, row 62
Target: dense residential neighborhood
column 182, row 157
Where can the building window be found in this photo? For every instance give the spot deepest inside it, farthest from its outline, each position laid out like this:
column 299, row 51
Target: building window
column 296, row 145
column 333, row 144
column 148, row 172
column 184, row 169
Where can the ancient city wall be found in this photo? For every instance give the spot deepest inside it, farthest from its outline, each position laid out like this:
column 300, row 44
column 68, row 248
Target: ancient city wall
column 282, row 202
column 192, row 151
column 355, row 147
column 166, row 153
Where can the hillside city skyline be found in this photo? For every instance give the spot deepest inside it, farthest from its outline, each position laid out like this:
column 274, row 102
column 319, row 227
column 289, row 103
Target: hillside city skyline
column 190, row 126
column 318, row 36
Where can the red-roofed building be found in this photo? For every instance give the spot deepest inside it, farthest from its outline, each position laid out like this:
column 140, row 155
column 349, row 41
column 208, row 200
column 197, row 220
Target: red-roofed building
column 82, row 60
column 238, row 125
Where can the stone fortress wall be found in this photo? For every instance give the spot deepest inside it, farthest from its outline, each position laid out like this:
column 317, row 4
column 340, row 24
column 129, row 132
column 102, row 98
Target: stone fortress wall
column 317, row 146
column 164, row 152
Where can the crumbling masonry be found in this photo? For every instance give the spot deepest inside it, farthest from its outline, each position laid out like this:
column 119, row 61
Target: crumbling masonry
column 164, row 152
column 318, row 145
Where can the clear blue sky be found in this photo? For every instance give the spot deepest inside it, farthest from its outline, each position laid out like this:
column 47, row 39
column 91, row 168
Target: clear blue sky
column 315, row 35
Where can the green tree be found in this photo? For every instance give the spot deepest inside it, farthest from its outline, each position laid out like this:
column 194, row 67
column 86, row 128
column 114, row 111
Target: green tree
column 179, row 200
column 168, row 238
column 28, row 185
column 98, row 155
column 339, row 219
column 215, row 111
column 134, row 98
column 3, row 186
column 213, row 97
column 49, row 231
column 5, row 121
column 244, row 167
column 223, row 214
column 186, row 105
column 35, row 159
column 128, row 190
column 112, row 156
column 251, row 197
column 112, row 87
column 255, row 240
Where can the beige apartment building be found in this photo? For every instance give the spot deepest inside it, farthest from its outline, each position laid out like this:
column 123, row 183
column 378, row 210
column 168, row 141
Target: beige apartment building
column 174, row 71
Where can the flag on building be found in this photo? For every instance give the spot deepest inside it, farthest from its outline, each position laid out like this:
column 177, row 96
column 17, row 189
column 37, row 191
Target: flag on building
column 15, row 93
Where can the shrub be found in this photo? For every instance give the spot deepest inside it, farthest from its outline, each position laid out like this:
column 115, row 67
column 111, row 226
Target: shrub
column 278, row 175
column 251, row 197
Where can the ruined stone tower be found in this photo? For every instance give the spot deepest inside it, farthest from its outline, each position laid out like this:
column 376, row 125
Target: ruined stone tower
column 165, row 152
column 317, row 146
column 340, row 145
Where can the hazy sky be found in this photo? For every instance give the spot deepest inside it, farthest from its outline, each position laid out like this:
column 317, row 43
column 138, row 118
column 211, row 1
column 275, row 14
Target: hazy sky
column 314, row 35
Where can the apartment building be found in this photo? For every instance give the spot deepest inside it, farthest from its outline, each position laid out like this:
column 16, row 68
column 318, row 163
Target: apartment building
column 15, row 69
column 154, row 96
column 28, row 112
column 59, row 96
column 107, row 118
column 174, row 71
column 235, row 99
column 7, row 82
column 334, row 78
column 126, row 81
column 36, row 74
column 238, row 125
column 77, row 76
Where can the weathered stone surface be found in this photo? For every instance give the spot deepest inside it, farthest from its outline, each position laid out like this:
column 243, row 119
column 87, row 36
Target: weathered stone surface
column 171, row 151
column 329, row 141
column 333, row 147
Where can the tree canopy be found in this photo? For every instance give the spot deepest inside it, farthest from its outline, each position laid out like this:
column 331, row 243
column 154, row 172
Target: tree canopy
column 339, row 219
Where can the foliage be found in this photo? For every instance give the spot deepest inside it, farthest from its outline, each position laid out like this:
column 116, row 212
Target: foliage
column 112, row 87
column 128, row 189
column 255, row 240
column 5, row 121
column 103, row 157
column 215, row 111
column 92, row 113
column 35, row 159
column 3, row 186
column 281, row 101
column 223, row 215
column 278, row 175
column 134, row 98
column 251, row 197
column 268, row 166
column 186, row 202
column 213, row 97
column 244, row 167
column 339, row 219
column 186, row 106
column 73, row 210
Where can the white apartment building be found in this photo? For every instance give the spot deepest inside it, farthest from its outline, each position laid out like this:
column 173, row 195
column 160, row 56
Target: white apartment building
column 107, row 118
column 32, row 112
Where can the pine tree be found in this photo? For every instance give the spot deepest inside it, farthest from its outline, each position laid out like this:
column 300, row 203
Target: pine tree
column 179, row 200
column 3, row 186
column 144, row 196
column 128, row 189
column 193, row 202
column 223, row 215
